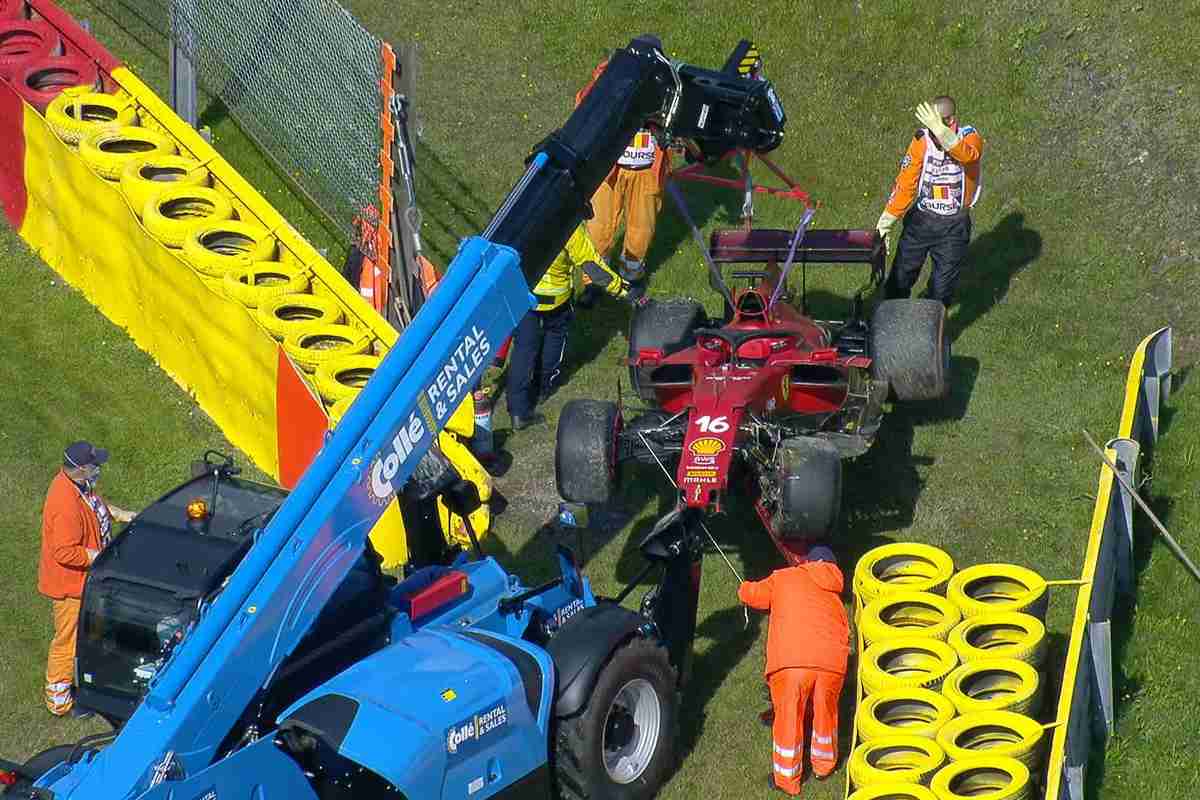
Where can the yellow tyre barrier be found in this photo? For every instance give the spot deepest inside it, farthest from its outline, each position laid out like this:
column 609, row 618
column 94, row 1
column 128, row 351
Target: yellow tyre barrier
column 79, row 111
column 895, row 759
column 289, row 312
column 993, row 733
column 893, row 791
column 991, row 777
column 902, row 566
column 313, row 345
column 261, row 280
column 108, row 150
column 173, row 212
column 216, row 248
column 1004, row 635
column 991, row 588
column 906, row 662
column 994, row 684
column 142, row 178
column 343, row 377
column 907, row 613
column 904, row 712
column 339, row 409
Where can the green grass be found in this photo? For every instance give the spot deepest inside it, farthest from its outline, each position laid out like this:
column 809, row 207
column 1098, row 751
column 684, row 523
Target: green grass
column 1084, row 242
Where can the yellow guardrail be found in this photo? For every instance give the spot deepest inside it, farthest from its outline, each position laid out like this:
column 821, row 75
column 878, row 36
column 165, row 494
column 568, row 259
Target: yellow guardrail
column 1085, row 710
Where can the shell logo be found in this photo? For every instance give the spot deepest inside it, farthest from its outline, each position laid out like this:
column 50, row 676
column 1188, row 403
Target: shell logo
column 707, row 446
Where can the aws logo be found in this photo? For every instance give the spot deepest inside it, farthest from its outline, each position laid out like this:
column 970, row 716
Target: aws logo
column 707, row 446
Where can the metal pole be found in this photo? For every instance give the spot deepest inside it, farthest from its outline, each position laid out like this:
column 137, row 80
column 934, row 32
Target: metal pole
column 1172, row 545
column 182, row 70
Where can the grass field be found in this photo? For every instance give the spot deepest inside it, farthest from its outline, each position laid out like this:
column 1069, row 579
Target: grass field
column 1084, row 242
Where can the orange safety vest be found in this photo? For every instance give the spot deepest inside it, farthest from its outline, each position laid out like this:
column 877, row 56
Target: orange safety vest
column 70, row 528
column 809, row 627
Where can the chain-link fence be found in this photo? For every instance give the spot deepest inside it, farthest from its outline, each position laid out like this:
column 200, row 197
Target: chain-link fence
column 301, row 77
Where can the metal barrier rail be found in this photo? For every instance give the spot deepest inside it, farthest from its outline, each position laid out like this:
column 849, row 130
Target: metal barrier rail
column 1086, row 705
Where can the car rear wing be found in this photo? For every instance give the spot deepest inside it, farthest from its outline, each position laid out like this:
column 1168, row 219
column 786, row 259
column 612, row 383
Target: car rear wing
column 821, row 246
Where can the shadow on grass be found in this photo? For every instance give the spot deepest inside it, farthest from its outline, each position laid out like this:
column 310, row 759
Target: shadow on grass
column 992, row 260
column 448, row 203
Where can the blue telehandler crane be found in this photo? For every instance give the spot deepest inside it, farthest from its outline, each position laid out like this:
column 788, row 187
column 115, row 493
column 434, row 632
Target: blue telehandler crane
column 289, row 666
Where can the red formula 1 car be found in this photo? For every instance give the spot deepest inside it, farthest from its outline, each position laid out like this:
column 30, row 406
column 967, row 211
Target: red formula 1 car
column 766, row 398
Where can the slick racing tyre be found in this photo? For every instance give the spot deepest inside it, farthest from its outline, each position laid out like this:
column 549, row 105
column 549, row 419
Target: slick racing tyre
column 905, row 663
column 893, row 791
column 667, row 326
column 993, row 588
column 338, row 410
column 262, row 280
column 143, row 178
column 994, row 684
column 621, row 746
column 1003, row 635
column 909, row 348
column 895, row 759
column 217, row 247
column 993, row 733
column 312, row 346
column 808, row 475
column 289, row 312
column 585, row 451
column 173, row 212
column 78, row 111
column 991, row 777
column 23, row 41
column 108, row 150
column 344, row 376
column 902, row 566
column 908, row 614
column 904, row 712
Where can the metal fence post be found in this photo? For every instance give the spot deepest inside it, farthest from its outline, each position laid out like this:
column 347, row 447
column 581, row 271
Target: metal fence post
column 182, row 68
column 1128, row 453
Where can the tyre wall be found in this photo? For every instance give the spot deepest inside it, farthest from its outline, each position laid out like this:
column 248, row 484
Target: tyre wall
column 82, row 225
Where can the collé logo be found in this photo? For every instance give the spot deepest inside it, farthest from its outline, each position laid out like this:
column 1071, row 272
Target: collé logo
column 476, row 728
column 384, row 470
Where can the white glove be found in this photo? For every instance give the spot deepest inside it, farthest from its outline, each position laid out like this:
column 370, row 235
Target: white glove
column 884, row 226
column 928, row 116
column 91, row 554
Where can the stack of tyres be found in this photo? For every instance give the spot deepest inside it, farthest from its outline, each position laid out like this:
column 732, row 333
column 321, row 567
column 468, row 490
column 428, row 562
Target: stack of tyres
column 952, row 657
column 23, row 42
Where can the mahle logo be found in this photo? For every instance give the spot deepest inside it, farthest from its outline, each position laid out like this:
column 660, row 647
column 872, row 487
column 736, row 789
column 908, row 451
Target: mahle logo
column 384, row 470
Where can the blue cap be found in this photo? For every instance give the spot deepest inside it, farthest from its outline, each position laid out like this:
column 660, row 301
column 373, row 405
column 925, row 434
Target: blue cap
column 820, row 552
column 83, row 454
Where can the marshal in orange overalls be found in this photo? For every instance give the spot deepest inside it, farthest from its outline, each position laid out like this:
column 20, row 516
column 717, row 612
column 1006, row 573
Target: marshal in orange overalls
column 808, row 643
column 633, row 190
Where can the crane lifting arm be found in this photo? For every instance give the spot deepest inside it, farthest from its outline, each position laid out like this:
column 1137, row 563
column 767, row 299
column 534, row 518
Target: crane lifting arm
column 314, row 538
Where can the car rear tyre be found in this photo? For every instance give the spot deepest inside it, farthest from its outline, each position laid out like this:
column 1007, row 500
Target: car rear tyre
column 667, row 326
column 585, row 454
column 910, row 350
column 621, row 746
column 809, row 476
